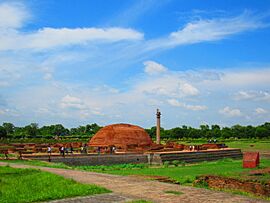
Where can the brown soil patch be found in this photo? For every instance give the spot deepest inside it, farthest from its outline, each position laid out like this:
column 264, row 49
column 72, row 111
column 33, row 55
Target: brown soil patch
column 260, row 171
column 249, row 186
column 162, row 179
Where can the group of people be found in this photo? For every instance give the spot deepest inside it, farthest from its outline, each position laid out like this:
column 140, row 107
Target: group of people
column 62, row 150
column 212, row 141
column 65, row 150
column 191, row 148
column 83, row 149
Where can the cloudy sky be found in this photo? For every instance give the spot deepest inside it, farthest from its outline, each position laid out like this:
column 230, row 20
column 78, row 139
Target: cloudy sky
column 109, row 61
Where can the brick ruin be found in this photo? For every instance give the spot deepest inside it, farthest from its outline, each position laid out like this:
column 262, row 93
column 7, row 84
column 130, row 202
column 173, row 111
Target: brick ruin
column 131, row 138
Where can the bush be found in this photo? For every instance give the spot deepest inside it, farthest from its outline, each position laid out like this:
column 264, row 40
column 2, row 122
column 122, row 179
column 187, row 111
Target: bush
column 166, row 164
column 183, row 163
column 175, row 162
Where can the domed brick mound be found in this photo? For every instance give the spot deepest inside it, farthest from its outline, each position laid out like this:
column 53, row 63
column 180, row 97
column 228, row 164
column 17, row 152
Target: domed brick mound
column 120, row 135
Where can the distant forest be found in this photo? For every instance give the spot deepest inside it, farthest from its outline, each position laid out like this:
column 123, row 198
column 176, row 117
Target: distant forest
column 8, row 130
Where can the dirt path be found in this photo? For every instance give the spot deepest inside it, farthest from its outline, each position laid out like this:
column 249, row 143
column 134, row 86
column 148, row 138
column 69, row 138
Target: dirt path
column 137, row 188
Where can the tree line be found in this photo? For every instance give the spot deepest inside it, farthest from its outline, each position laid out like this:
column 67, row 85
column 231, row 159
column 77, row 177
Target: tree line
column 9, row 130
column 213, row 131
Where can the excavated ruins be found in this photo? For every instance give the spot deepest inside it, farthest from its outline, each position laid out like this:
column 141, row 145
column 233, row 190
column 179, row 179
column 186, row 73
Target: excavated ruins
column 124, row 143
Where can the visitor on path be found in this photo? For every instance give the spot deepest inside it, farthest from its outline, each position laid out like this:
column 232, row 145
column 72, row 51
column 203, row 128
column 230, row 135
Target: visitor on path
column 85, row 148
column 82, row 148
column 71, row 150
column 66, row 150
column 49, row 150
column 6, row 155
column 62, row 151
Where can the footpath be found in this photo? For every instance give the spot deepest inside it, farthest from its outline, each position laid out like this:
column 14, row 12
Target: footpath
column 126, row 188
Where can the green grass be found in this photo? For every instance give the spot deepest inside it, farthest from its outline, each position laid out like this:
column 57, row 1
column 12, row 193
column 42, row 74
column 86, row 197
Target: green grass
column 139, row 201
column 184, row 174
column 187, row 174
column 174, row 192
column 244, row 145
column 38, row 163
column 31, row 185
column 115, row 167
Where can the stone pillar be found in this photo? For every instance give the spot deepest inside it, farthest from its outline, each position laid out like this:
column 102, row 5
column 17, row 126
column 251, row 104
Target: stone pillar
column 158, row 127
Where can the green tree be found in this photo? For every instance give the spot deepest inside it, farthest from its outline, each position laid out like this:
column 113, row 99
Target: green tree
column 32, row 129
column 261, row 132
column 215, row 131
column 9, row 127
column 226, row 133
column 3, row 132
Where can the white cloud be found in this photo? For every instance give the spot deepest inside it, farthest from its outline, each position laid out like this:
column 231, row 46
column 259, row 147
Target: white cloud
column 72, row 102
column 2, row 112
column 208, row 30
column 60, row 101
column 47, row 76
column 227, row 111
column 47, row 38
column 4, row 83
column 12, row 15
column 260, row 111
column 174, row 102
column 252, row 95
column 246, row 77
column 152, row 68
column 188, row 89
column 171, row 84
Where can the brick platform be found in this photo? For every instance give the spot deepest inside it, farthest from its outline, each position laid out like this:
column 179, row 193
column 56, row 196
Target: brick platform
column 151, row 158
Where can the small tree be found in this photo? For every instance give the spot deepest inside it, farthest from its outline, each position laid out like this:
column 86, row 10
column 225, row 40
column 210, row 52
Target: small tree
column 3, row 132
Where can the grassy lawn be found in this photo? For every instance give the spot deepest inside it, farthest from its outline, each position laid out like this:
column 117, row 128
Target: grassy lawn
column 37, row 163
column 182, row 174
column 31, row 185
column 244, row 145
column 249, row 145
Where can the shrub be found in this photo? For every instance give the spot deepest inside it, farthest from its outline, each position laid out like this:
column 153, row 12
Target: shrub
column 166, row 164
column 175, row 162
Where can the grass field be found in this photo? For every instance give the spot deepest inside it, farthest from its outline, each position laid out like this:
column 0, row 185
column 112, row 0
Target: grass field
column 182, row 174
column 249, row 145
column 244, row 145
column 31, row 185
column 37, row 163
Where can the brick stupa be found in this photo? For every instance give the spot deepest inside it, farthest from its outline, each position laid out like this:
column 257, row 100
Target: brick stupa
column 120, row 135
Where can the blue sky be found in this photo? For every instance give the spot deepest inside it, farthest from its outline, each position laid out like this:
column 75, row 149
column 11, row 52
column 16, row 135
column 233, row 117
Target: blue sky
column 79, row 62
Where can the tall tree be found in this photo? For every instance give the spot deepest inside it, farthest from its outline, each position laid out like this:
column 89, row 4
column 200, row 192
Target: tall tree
column 3, row 132
column 9, row 127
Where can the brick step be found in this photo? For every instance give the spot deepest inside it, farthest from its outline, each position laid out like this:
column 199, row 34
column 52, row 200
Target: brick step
column 200, row 155
column 210, row 159
column 191, row 153
column 193, row 160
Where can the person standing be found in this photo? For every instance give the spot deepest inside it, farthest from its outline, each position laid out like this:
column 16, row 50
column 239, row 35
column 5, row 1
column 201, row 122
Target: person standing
column 49, row 150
